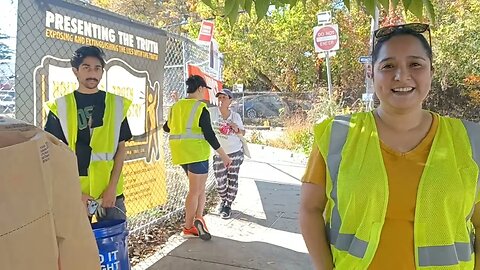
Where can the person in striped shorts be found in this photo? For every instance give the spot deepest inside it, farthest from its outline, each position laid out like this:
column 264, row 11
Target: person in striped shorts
column 228, row 126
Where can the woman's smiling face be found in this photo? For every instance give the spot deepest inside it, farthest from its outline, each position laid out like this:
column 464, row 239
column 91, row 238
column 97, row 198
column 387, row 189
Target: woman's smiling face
column 402, row 73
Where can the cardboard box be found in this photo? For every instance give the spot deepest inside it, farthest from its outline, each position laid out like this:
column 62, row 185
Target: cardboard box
column 43, row 222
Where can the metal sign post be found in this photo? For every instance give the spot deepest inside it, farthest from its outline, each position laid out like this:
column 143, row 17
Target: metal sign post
column 367, row 62
column 329, row 76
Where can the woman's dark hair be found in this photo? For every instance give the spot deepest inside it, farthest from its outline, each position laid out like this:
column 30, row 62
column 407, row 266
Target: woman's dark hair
column 87, row 51
column 194, row 82
column 401, row 32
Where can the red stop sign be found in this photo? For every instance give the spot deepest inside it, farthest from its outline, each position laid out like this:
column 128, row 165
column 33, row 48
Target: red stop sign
column 326, row 38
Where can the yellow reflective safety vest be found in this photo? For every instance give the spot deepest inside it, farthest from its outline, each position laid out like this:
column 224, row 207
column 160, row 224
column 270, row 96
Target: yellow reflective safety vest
column 186, row 139
column 357, row 193
column 104, row 139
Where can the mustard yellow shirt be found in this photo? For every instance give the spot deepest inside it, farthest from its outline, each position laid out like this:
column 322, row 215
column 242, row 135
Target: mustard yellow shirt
column 404, row 170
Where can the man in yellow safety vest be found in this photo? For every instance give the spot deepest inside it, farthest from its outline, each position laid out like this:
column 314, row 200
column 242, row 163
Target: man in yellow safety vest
column 93, row 124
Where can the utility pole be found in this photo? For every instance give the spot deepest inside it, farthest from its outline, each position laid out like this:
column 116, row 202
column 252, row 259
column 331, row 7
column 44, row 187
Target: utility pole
column 329, row 75
column 369, row 91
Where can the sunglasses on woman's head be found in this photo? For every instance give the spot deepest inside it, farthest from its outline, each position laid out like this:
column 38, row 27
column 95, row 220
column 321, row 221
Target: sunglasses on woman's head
column 418, row 28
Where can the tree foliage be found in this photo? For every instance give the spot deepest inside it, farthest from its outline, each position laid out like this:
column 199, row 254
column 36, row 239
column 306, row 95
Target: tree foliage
column 456, row 45
column 456, row 41
column 230, row 8
column 162, row 14
column 277, row 53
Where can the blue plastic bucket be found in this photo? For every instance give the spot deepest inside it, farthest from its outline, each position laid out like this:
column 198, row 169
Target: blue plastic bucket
column 111, row 236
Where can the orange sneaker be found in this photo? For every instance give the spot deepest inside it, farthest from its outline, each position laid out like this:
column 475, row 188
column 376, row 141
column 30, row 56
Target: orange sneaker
column 202, row 229
column 191, row 232
column 203, row 221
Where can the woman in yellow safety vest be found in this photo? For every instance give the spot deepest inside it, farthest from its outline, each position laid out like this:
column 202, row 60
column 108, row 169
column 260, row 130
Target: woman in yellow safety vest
column 398, row 186
column 191, row 136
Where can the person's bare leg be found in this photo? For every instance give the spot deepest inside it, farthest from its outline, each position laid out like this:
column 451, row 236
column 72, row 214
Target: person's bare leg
column 202, row 197
column 191, row 203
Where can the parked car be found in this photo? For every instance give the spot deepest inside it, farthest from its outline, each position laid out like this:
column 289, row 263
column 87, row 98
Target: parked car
column 261, row 106
column 298, row 106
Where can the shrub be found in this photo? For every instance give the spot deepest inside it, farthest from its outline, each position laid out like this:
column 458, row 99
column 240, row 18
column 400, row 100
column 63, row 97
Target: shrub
column 256, row 137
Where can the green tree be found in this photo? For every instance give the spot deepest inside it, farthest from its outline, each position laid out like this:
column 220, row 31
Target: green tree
column 157, row 13
column 230, row 8
column 277, row 53
column 456, row 44
column 456, row 41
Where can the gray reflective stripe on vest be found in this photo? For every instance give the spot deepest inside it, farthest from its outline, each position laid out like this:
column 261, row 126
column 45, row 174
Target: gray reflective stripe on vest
column 102, row 156
column 117, row 121
column 186, row 136
column 473, row 131
column 341, row 241
column 444, row 255
column 188, row 129
column 347, row 242
column 62, row 116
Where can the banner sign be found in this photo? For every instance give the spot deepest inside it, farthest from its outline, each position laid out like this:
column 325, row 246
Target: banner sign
column 48, row 33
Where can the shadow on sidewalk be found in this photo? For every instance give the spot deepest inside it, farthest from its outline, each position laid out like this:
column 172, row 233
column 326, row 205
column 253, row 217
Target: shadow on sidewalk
column 280, row 203
column 225, row 254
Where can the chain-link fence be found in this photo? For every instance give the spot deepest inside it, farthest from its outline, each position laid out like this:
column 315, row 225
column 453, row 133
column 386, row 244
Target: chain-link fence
column 144, row 64
column 181, row 52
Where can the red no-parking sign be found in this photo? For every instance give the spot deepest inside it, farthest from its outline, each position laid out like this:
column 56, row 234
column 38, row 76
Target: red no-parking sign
column 326, row 38
column 206, row 32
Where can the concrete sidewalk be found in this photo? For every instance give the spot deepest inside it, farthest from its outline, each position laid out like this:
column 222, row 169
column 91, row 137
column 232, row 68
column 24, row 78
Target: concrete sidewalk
column 263, row 232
